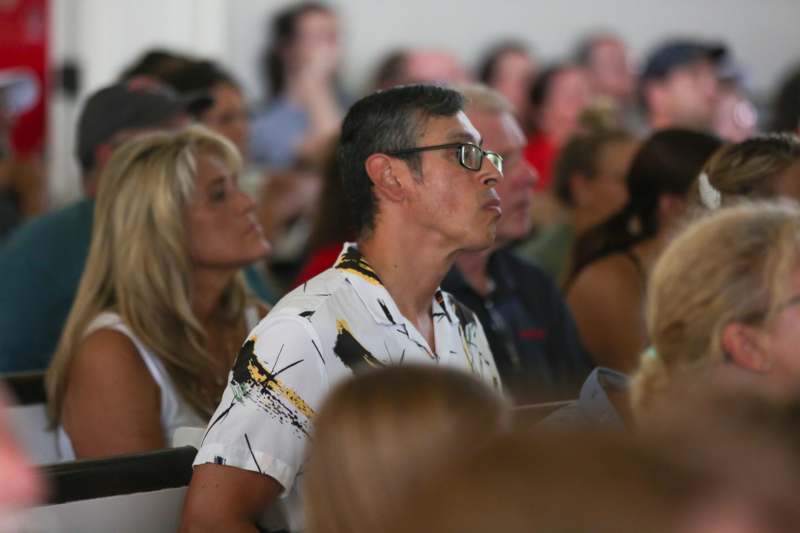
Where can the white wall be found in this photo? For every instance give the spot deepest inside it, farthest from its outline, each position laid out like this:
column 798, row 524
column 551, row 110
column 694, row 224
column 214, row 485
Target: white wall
column 762, row 33
column 105, row 35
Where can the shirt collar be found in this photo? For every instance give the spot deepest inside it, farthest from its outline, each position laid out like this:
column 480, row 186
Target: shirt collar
column 369, row 288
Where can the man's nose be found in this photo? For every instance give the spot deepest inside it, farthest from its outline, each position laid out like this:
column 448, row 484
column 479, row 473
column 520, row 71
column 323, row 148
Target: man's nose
column 490, row 172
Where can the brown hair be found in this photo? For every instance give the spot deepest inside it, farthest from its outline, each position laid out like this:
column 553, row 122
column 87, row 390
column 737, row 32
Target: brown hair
column 581, row 480
column 381, row 433
column 749, row 169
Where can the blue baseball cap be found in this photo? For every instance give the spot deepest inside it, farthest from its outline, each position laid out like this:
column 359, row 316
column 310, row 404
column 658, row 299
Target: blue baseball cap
column 677, row 53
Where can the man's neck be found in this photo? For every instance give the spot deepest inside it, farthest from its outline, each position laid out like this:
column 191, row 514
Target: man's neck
column 411, row 270
column 474, row 267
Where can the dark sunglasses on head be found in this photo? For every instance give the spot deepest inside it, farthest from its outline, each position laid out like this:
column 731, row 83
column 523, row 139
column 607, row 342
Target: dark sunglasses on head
column 470, row 156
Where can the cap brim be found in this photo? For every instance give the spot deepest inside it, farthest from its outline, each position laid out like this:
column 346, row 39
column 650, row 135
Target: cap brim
column 716, row 52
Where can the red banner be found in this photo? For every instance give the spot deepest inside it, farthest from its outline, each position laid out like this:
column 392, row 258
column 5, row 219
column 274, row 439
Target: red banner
column 23, row 45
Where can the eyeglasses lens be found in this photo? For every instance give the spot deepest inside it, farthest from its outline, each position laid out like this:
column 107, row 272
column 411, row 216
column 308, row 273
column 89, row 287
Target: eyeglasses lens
column 471, row 156
column 496, row 160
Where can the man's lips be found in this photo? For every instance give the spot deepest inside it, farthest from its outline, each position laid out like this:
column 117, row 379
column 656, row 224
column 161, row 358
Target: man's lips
column 493, row 205
column 254, row 227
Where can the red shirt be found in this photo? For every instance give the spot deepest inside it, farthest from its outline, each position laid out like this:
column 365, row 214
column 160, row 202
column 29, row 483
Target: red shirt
column 541, row 153
column 319, row 262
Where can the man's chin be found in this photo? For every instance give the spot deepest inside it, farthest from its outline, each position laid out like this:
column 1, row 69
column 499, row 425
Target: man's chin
column 489, row 241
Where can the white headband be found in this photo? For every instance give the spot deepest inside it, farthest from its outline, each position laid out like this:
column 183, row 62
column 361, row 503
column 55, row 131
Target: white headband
column 710, row 197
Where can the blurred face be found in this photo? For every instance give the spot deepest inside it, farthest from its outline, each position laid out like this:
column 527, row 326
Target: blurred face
column 433, row 66
column 782, row 338
column 690, row 94
column 611, row 71
column 607, row 192
column 228, row 116
column 223, row 231
column 735, row 117
column 788, row 183
column 317, row 43
column 729, row 512
column 513, row 76
column 567, row 97
column 458, row 205
column 502, row 134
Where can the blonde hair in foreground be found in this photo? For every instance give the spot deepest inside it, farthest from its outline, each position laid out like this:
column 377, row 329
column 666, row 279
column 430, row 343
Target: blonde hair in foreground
column 731, row 266
column 139, row 264
column 379, row 435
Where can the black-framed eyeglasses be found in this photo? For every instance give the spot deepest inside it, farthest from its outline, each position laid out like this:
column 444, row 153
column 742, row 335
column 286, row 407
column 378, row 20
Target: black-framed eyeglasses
column 470, row 155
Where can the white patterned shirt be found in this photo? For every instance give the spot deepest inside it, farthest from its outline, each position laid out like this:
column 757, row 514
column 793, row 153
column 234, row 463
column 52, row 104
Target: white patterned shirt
column 320, row 333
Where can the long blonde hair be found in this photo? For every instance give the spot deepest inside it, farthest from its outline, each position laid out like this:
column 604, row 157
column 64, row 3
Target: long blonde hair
column 380, row 434
column 139, row 264
column 731, row 266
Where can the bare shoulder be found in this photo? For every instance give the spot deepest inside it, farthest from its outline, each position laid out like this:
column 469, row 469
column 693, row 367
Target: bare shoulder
column 106, row 356
column 104, row 344
column 610, row 275
column 112, row 402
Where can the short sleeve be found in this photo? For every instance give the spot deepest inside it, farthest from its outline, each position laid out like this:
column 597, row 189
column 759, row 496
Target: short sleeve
column 486, row 369
column 264, row 418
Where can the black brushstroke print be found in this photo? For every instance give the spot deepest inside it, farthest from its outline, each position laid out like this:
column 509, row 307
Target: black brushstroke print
column 352, row 260
column 386, row 311
column 265, row 398
column 352, row 353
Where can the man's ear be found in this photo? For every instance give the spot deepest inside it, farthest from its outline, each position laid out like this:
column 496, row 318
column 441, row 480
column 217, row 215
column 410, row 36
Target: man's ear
column 746, row 346
column 383, row 170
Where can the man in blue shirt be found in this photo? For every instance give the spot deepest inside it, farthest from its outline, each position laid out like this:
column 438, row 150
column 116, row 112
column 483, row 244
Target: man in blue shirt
column 532, row 334
column 41, row 263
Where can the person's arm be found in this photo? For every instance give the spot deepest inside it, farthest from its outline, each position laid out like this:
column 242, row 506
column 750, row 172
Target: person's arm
column 606, row 301
column 225, row 498
column 316, row 92
column 112, row 404
column 255, row 442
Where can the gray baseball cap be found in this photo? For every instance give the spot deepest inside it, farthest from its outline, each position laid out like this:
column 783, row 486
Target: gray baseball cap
column 138, row 103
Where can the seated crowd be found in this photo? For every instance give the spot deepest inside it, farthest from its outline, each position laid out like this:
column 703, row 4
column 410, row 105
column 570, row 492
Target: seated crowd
column 562, row 299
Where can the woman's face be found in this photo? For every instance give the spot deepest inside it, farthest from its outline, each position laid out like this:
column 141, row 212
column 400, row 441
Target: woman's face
column 317, row 44
column 781, row 338
column 567, row 97
column 223, row 230
column 228, row 116
column 788, row 182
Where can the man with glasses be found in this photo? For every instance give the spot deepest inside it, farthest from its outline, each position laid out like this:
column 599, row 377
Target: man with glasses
column 422, row 190
column 531, row 332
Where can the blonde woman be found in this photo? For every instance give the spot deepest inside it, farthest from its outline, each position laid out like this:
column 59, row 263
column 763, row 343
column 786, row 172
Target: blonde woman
column 161, row 307
column 381, row 434
column 724, row 301
column 765, row 166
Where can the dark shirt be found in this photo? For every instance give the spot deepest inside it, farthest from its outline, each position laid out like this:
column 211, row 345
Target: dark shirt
column 41, row 265
column 531, row 332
